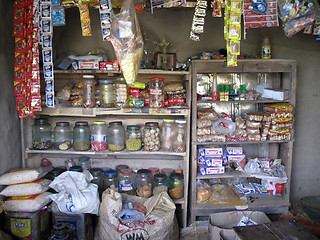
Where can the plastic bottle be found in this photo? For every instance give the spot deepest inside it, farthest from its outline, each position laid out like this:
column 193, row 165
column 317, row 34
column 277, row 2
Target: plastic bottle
column 266, row 48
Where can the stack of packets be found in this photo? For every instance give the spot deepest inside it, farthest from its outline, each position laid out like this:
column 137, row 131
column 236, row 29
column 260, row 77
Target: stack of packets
column 58, row 15
column 232, row 30
column 313, row 29
column 211, row 161
column 198, row 20
column 26, row 65
column 216, row 6
column 250, row 188
column 105, row 18
column 85, row 18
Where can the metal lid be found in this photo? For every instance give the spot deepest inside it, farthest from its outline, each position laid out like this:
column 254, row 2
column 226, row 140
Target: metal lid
column 152, row 124
column 121, row 166
column 153, row 170
column 76, row 169
column 96, row 171
column 115, row 123
column 110, row 172
column 160, row 176
column 143, row 172
column 81, row 123
column 83, row 159
column 133, row 127
column 167, row 170
column 99, row 122
column 126, row 171
column 176, row 176
column 62, row 124
column 168, row 120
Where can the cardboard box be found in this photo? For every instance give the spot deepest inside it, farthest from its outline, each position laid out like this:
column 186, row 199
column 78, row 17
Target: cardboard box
column 85, row 65
column 214, row 162
column 210, row 152
column 234, row 150
column 276, row 94
column 266, row 162
column 221, row 225
column 240, row 159
column 210, row 170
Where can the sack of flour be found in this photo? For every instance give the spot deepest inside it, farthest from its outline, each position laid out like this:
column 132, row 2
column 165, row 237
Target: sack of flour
column 27, row 188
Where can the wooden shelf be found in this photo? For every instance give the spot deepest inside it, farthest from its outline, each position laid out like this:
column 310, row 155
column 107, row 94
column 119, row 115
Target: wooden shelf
column 239, row 143
column 225, row 175
column 245, row 101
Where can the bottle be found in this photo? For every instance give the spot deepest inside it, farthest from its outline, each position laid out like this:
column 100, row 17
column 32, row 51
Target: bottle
column 167, row 135
column 99, row 136
column 266, row 48
column 215, row 96
column 89, row 91
column 179, row 143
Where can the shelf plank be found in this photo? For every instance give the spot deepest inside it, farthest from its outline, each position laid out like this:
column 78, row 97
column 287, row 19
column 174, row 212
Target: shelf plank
column 225, row 175
column 239, row 143
column 245, row 101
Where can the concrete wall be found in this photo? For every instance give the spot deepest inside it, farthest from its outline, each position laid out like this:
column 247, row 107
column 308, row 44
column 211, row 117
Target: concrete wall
column 10, row 147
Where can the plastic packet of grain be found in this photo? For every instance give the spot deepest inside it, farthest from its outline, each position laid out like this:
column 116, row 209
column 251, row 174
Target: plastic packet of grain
column 27, row 188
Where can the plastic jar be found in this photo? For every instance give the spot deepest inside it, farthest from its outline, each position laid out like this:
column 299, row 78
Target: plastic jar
column 137, row 100
column 110, row 179
column 107, row 94
column 167, row 135
column 41, row 134
column 62, row 135
column 84, row 163
column 126, row 182
column 120, row 167
column 99, row 136
column 116, row 136
column 89, row 90
column 156, row 93
column 98, row 176
column 159, row 183
column 151, row 136
column 167, row 172
column 144, row 183
column 176, row 186
column 121, row 92
column 179, row 142
column 154, row 171
column 133, row 138
column 81, row 136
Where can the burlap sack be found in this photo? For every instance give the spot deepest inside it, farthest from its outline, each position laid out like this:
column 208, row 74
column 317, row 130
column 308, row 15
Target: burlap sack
column 159, row 223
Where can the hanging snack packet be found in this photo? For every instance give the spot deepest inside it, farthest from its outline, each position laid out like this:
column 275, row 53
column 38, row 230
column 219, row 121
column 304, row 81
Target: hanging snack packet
column 85, row 20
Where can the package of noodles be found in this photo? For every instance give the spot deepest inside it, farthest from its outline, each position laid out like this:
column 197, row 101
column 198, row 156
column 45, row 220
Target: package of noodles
column 127, row 41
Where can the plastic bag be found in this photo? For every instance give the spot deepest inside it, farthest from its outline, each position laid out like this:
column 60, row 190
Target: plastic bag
column 224, row 126
column 253, row 166
column 203, row 191
column 127, row 41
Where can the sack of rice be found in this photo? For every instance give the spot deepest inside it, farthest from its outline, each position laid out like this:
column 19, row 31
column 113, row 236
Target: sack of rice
column 22, row 175
column 27, row 188
column 30, row 203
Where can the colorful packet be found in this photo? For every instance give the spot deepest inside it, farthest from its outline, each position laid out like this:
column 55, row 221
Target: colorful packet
column 58, row 16
column 85, row 20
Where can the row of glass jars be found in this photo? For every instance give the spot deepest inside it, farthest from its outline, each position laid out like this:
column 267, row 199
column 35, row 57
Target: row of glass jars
column 114, row 137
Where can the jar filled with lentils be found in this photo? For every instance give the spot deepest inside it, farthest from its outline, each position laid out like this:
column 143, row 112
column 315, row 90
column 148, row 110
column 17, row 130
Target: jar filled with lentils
column 133, row 138
column 151, row 136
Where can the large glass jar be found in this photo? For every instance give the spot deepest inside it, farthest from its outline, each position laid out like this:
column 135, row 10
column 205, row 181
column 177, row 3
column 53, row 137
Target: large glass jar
column 89, row 90
column 167, row 135
column 81, row 136
column 151, row 136
column 98, row 176
column 107, row 94
column 62, row 135
column 121, row 92
column 133, row 138
column 144, row 183
column 176, row 186
column 159, row 183
column 99, row 136
column 180, row 139
column 116, row 136
column 110, row 179
column 156, row 92
column 41, row 134
column 126, row 182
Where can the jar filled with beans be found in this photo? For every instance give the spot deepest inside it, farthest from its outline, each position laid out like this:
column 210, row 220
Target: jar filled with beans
column 151, row 136
column 176, row 186
column 133, row 138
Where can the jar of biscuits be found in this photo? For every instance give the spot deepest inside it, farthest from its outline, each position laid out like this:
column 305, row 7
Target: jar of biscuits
column 151, row 136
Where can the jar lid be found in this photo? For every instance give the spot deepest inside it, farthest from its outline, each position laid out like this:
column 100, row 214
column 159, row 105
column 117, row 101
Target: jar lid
column 45, row 162
column 160, row 176
column 156, row 79
column 152, row 124
column 88, row 76
column 143, row 172
column 99, row 122
column 41, row 120
column 105, row 81
column 110, row 172
column 168, row 120
column 154, row 170
column 126, row 171
column 181, row 121
column 84, row 159
column 121, row 166
column 76, row 169
column 62, row 124
column 167, row 170
column 115, row 123
column 133, row 127
column 81, row 123
column 95, row 171
column 178, row 171
column 176, row 176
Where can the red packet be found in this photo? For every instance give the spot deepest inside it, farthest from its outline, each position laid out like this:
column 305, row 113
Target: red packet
column 28, row 28
column 18, row 30
column 21, row 102
column 28, row 41
column 19, row 15
column 25, row 113
column 19, row 74
column 19, row 3
column 35, row 103
column 20, row 45
column 35, row 90
column 19, row 88
column 29, row 13
column 19, row 60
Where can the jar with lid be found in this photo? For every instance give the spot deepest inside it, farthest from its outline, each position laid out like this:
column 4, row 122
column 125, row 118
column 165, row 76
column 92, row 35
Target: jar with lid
column 153, row 171
column 179, row 142
column 110, row 179
column 89, row 90
column 156, row 94
column 116, row 136
column 151, row 136
column 133, row 138
column 121, row 92
column 176, row 186
column 107, row 94
column 126, row 182
column 81, row 136
column 144, row 183
column 84, row 163
column 76, row 169
column 167, row 172
column 120, row 167
column 159, row 183
column 62, row 135
column 41, row 134
column 97, row 174
column 167, row 135
column 99, row 136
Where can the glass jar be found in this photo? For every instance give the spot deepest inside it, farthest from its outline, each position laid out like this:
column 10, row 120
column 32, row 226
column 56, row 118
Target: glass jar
column 126, row 182
column 153, row 171
column 156, row 94
column 97, row 174
column 144, row 183
column 107, row 94
column 121, row 92
column 176, row 186
column 84, row 163
column 110, row 179
column 81, row 136
column 137, row 100
column 179, row 142
column 159, row 183
column 76, row 169
column 99, row 136
column 62, row 135
column 41, row 134
column 89, row 90
column 120, row 167
column 151, row 136
column 133, row 138
column 167, row 135
column 116, row 136
column 167, row 172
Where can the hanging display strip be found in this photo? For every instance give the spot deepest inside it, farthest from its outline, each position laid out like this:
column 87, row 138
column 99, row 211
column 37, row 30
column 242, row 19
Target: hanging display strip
column 198, row 20
column 26, row 66
column 105, row 18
